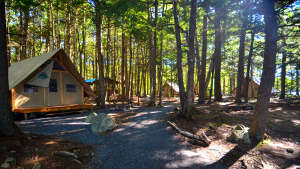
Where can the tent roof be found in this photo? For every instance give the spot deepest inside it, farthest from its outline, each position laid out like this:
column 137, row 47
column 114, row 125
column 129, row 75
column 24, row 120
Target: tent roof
column 173, row 85
column 19, row 71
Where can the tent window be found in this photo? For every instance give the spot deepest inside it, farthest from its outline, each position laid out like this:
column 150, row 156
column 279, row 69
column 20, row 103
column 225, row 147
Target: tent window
column 71, row 88
column 30, row 89
column 53, row 85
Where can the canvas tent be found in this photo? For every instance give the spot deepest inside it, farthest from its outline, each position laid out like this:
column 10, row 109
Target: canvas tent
column 252, row 89
column 170, row 89
column 49, row 82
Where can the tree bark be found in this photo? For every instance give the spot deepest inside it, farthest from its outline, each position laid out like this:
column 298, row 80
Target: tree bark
column 211, row 83
column 130, row 69
column 217, row 55
column 179, row 55
column 160, row 72
column 115, row 58
column 123, row 65
column 153, row 50
column 53, row 26
column 283, row 72
column 248, row 67
column 297, row 79
column 240, row 74
column 48, row 28
column 67, row 43
column 75, row 54
column 83, row 72
column 188, row 106
column 108, row 49
column 8, row 127
column 258, row 125
column 8, row 32
column 41, row 35
column 58, row 25
column 24, row 25
column 202, row 86
column 100, row 82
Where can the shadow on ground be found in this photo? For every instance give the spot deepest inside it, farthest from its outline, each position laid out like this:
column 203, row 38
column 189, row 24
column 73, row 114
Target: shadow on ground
column 144, row 141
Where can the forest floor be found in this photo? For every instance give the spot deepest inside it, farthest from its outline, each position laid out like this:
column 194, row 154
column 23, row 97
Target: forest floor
column 281, row 148
column 143, row 139
column 29, row 150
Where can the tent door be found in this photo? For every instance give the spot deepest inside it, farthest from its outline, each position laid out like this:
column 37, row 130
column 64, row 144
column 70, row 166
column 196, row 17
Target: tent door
column 54, row 90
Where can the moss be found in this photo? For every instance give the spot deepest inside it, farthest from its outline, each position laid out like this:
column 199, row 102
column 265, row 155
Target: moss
column 225, row 125
column 265, row 141
column 213, row 126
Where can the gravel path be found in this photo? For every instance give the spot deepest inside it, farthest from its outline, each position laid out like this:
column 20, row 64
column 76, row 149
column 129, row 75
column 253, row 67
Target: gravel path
column 145, row 141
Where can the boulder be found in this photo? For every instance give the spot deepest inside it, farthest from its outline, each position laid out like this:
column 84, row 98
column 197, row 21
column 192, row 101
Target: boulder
column 100, row 122
column 241, row 133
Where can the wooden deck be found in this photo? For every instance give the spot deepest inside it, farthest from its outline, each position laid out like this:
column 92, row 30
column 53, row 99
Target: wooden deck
column 52, row 108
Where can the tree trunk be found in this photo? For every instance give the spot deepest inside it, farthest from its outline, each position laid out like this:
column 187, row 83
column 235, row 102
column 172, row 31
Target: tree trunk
column 160, row 72
column 217, row 55
column 202, row 86
column 24, row 38
column 8, row 33
column 179, row 55
column 210, row 69
column 292, row 80
column 53, row 26
column 67, row 42
column 258, row 125
column 211, row 84
column 75, row 55
column 123, row 65
column 108, row 49
column 153, row 51
column 188, row 104
column 48, row 28
column 58, row 25
column 100, row 82
column 8, row 128
column 248, row 66
column 297, row 80
column 41, row 35
column 83, row 48
column 130, row 69
column 138, row 78
column 144, row 80
column 283, row 72
column 240, row 74
column 224, row 86
column 115, row 58
column 198, row 61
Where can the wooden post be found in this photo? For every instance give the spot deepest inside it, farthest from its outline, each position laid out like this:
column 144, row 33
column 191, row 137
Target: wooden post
column 61, row 88
column 44, row 91
column 82, row 94
column 13, row 98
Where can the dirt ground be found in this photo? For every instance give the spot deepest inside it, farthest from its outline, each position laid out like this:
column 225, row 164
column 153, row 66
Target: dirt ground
column 281, row 148
column 30, row 150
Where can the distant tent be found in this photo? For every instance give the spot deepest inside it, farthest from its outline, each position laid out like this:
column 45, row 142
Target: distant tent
column 170, row 89
column 252, row 89
column 110, row 86
column 49, row 82
column 107, row 81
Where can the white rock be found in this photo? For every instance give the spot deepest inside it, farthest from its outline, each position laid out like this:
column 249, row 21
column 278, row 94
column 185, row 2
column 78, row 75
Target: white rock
column 100, row 122
column 240, row 133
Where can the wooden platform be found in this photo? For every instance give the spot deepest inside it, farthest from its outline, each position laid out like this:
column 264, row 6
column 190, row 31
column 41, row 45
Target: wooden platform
column 52, row 108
